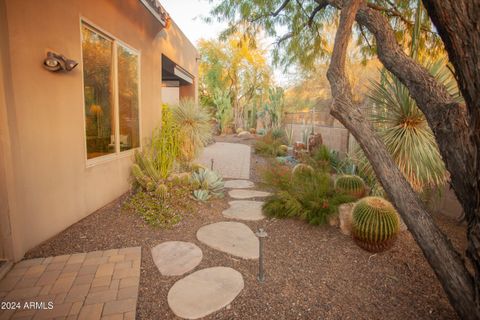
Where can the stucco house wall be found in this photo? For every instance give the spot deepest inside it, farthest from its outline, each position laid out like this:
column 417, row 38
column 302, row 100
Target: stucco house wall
column 45, row 182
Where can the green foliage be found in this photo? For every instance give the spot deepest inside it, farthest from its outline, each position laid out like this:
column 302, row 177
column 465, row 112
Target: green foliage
column 273, row 108
column 235, row 69
column 161, row 207
column 303, row 194
column 351, row 185
column 223, row 109
column 164, row 147
column 404, row 130
column 375, row 224
column 195, row 130
column 272, row 144
column 209, row 182
column 303, row 29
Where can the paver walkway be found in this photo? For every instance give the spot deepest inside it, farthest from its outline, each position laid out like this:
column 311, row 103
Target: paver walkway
column 93, row 285
column 231, row 160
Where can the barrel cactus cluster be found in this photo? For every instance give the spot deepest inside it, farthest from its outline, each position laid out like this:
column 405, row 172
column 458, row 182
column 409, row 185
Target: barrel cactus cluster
column 375, row 224
column 350, row 184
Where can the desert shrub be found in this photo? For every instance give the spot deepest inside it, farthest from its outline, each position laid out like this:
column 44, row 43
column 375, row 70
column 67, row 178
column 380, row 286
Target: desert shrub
column 195, row 129
column 272, row 144
column 160, row 208
column 304, row 194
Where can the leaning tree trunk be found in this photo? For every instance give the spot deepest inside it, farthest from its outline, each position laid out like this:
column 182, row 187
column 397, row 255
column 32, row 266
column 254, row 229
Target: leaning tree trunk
column 458, row 23
column 444, row 260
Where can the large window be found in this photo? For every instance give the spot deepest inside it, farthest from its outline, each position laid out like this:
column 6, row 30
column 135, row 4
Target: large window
column 110, row 72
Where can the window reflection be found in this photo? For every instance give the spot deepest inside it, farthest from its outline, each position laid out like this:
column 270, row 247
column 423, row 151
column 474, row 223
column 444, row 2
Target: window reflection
column 98, row 90
column 128, row 98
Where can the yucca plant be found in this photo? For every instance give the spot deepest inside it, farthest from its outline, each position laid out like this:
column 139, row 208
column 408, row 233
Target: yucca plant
column 208, row 180
column 375, row 224
column 195, row 130
column 351, row 185
column 404, row 130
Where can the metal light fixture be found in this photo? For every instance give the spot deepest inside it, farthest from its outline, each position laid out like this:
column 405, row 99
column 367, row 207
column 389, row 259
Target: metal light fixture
column 261, row 234
column 57, row 62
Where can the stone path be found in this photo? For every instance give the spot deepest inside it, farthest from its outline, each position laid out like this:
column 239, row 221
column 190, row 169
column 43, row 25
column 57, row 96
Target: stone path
column 246, row 194
column 244, row 210
column 204, row 292
column 93, row 285
column 231, row 160
column 234, row 238
column 174, row 258
column 238, row 184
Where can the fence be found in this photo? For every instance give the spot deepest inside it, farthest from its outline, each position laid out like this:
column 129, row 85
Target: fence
column 334, row 134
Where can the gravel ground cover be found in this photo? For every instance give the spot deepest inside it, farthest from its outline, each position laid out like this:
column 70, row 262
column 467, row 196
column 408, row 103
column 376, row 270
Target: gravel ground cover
column 311, row 272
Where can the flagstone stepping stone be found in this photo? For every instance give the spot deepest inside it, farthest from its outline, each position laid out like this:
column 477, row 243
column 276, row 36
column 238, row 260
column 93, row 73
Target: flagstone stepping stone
column 204, row 292
column 245, row 194
column 244, row 210
column 174, row 258
column 238, row 184
column 234, row 238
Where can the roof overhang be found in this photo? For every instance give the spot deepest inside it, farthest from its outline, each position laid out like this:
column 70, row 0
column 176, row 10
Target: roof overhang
column 156, row 9
column 173, row 72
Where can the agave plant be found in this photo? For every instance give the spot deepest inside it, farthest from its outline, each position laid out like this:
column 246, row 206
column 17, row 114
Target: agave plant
column 194, row 126
column 404, row 130
column 209, row 181
column 201, row 195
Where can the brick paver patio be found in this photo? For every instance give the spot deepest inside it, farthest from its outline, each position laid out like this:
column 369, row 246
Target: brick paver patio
column 93, row 285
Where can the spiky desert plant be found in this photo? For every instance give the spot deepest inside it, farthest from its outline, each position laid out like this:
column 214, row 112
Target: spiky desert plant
column 350, row 184
column 161, row 191
column 165, row 145
column 404, row 130
column 375, row 224
column 195, row 130
column 144, row 172
column 208, row 180
column 302, row 169
column 201, row 195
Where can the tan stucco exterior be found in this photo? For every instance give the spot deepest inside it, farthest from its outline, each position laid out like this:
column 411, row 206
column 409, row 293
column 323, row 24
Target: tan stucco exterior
column 45, row 182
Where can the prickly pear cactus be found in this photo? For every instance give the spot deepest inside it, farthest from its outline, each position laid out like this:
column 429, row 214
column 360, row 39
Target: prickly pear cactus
column 375, row 224
column 351, row 185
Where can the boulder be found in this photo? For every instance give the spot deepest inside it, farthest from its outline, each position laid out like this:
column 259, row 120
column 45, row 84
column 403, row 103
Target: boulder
column 244, row 135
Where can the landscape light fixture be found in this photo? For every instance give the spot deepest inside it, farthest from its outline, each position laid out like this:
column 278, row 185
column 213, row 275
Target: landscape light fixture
column 57, row 62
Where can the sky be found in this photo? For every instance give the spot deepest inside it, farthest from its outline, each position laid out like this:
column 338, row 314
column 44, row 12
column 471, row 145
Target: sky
column 188, row 14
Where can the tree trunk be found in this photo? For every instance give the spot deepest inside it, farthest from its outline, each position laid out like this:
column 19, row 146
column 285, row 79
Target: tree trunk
column 458, row 23
column 444, row 260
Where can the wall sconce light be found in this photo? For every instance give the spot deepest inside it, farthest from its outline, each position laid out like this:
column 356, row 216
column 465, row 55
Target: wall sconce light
column 57, row 62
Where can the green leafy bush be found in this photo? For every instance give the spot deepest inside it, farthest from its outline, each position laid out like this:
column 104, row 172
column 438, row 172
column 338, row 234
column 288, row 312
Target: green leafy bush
column 304, row 194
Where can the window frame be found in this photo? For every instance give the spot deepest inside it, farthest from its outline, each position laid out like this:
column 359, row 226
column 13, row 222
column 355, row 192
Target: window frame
column 116, row 108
